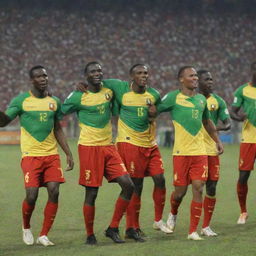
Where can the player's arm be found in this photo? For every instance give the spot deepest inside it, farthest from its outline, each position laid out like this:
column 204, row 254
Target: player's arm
column 235, row 112
column 4, row 119
column 62, row 141
column 71, row 103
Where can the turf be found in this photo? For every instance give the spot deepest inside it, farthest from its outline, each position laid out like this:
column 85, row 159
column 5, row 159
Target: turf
column 68, row 231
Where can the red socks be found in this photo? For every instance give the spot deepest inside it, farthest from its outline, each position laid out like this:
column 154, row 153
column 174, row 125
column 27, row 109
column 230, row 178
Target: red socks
column 159, row 202
column 120, row 208
column 27, row 211
column 89, row 214
column 195, row 214
column 133, row 212
column 50, row 211
column 242, row 190
column 209, row 204
column 174, row 205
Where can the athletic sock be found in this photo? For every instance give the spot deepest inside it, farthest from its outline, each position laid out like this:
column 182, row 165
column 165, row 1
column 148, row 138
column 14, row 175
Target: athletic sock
column 27, row 211
column 50, row 211
column 209, row 204
column 159, row 202
column 242, row 190
column 174, row 205
column 137, row 205
column 89, row 215
column 195, row 214
column 120, row 208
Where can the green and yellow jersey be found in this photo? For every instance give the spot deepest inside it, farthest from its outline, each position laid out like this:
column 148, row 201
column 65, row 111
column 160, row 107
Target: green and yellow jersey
column 218, row 111
column 37, row 117
column 245, row 97
column 187, row 114
column 133, row 124
column 94, row 113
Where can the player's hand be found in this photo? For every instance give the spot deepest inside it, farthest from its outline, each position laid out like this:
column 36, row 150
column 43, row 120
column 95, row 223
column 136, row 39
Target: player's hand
column 70, row 163
column 81, row 87
column 220, row 148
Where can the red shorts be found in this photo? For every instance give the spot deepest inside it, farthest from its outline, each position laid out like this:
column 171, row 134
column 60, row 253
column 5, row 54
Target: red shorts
column 188, row 168
column 99, row 161
column 38, row 170
column 140, row 161
column 247, row 156
column 213, row 168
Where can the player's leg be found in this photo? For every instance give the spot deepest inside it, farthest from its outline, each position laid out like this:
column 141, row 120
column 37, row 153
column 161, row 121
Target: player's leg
column 89, row 213
column 121, row 205
column 210, row 197
column 159, row 193
column 209, row 205
column 246, row 162
column 50, row 212
column 133, row 212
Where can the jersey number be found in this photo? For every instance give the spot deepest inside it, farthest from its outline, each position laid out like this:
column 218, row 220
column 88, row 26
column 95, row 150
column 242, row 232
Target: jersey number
column 195, row 113
column 101, row 109
column 140, row 111
column 43, row 117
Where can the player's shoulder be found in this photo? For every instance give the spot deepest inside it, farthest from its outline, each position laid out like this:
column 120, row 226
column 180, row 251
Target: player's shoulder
column 21, row 97
column 55, row 98
column 153, row 91
column 217, row 97
column 241, row 87
column 108, row 82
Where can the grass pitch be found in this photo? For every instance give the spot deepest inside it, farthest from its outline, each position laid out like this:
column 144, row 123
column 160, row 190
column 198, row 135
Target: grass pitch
column 69, row 234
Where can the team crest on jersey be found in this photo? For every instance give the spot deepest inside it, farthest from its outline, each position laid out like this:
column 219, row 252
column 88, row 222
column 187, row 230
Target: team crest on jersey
column 51, row 106
column 107, row 96
column 213, row 107
column 148, row 101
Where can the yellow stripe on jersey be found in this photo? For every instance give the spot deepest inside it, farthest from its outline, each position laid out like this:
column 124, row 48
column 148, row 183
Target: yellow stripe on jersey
column 142, row 139
column 92, row 99
column 91, row 136
column 249, row 131
column 250, row 92
column 37, row 104
column 137, row 99
column 181, row 99
column 210, row 144
column 212, row 103
column 186, row 144
column 32, row 147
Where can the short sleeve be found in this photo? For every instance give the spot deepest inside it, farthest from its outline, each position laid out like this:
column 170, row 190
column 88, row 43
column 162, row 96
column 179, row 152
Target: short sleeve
column 223, row 110
column 71, row 103
column 166, row 103
column 238, row 97
column 14, row 109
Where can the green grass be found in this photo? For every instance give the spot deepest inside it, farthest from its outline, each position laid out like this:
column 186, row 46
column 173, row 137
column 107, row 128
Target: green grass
column 68, row 232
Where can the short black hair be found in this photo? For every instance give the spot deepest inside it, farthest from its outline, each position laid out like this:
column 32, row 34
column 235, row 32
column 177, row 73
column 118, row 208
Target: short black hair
column 134, row 66
column 181, row 70
column 31, row 75
column 254, row 63
column 201, row 72
column 89, row 64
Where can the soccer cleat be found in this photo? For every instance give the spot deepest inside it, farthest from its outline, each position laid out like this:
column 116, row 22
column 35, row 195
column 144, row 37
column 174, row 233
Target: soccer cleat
column 44, row 240
column 140, row 232
column 132, row 234
column 113, row 233
column 207, row 231
column 194, row 236
column 242, row 218
column 91, row 240
column 160, row 225
column 171, row 221
column 28, row 238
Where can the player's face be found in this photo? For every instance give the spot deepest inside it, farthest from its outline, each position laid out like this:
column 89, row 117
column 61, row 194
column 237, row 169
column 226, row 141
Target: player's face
column 94, row 74
column 40, row 79
column 189, row 78
column 140, row 76
column 205, row 83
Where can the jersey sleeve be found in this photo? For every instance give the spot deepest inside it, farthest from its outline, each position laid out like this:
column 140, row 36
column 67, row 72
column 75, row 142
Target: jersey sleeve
column 206, row 113
column 15, row 108
column 58, row 114
column 223, row 110
column 238, row 97
column 115, row 108
column 71, row 103
column 167, row 103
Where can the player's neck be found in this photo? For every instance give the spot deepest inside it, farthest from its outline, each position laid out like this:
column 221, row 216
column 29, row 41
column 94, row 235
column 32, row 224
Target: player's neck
column 38, row 94
column 188, row 92
column 94, row 87
column 138, row 89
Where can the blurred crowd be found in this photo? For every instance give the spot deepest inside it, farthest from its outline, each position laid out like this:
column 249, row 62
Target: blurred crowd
column 64, row 41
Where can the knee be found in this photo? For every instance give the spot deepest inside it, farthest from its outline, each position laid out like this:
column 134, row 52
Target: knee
column 211, row 190
column 31, row 198
column 243, row 177
column 53, row 193
column 159, row 181
column 179, row 195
